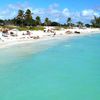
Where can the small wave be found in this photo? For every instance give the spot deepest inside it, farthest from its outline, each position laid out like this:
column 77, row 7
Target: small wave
column 67, row 45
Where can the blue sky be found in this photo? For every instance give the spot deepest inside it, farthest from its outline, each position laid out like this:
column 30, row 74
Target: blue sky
column 56, row 10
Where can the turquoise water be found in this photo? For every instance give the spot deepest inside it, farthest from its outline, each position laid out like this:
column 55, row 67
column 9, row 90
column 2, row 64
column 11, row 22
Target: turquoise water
column 53, row 70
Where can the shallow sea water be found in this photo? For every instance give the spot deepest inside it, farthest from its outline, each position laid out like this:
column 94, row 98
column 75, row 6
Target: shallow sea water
column 52, row 70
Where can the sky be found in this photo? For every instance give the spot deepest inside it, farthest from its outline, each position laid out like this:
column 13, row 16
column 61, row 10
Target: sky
column 55, row 10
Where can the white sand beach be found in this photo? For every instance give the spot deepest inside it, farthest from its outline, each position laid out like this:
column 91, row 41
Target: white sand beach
column 38, row 36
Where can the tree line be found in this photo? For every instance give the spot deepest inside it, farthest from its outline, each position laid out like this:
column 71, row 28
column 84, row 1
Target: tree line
column 25, row 19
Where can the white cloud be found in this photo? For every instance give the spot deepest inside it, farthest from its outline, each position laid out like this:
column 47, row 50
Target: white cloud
column 12, row 9
column 54, row 6
column 53, row 12
column 89, row 13
column 56, row 19
column 39, row 11
column 66, row 12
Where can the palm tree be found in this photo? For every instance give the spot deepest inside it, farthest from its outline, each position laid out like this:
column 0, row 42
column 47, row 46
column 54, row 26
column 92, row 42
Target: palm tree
column 47, row 22
column 96, row 22
column 38, row 20
column 28, row 17
column 20, row 17
column 20, row 14
column 28, row 14
column 69, row 20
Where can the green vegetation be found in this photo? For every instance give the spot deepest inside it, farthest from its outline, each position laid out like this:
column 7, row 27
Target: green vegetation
column 24, row 21
column 80, row 24
column 24, row 28
column 38, row 20
column 47, row 22
column 30, row 28
column 96, row 22
column 69, row 22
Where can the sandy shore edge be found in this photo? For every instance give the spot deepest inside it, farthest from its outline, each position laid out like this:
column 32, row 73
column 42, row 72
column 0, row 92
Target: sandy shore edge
column 45, row 38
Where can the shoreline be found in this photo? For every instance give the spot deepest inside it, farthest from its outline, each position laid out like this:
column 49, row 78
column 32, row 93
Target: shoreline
column 59, row 36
